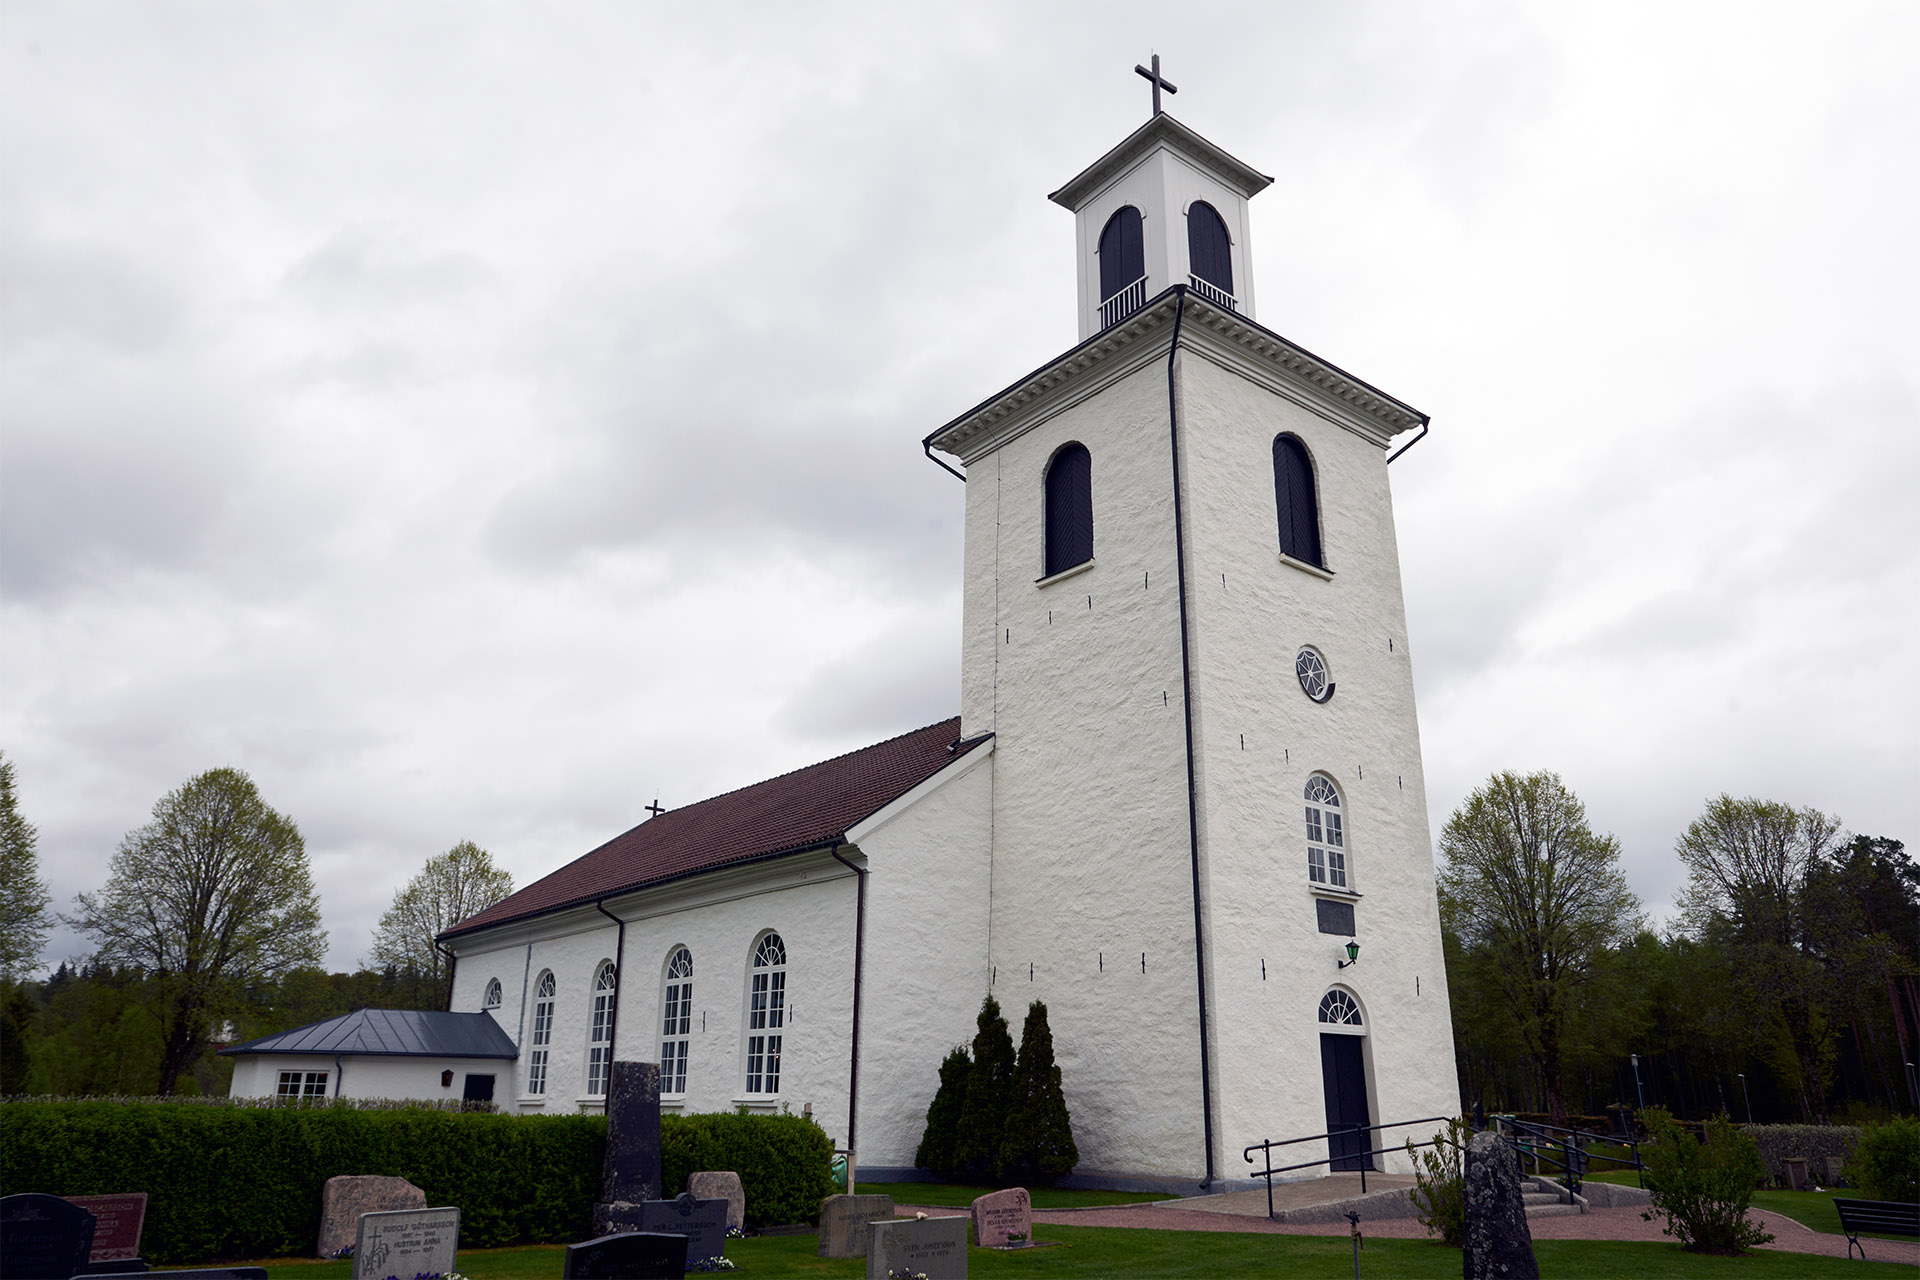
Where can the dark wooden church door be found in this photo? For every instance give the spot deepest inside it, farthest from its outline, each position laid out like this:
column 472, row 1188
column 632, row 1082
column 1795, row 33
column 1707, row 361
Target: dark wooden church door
column 1344, row 1077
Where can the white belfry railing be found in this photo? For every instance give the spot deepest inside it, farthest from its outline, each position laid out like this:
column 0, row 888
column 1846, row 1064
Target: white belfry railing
column 1123, row 304
column 1213, row 293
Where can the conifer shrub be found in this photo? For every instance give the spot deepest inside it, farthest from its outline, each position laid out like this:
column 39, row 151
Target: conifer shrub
column 983, row 1114
column 1038, row 1143
column 1886, row 1161
column 943, row 1116
column 1440, row 1183
column 1703, row 1188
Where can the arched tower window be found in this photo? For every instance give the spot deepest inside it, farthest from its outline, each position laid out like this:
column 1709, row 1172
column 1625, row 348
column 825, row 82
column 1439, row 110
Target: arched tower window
column 1209, row 254
column 1326, row 834
column 766, row 1014
column 600, row 1035
column 492, row 999
column 677, row 1002
column 1293, row 498
column 542, row 1034
column 1069, row 487
column 1123, row 266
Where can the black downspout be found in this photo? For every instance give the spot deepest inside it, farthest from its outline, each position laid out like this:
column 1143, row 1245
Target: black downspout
column 859, row 976
column 1186, row 693
column 619, row 972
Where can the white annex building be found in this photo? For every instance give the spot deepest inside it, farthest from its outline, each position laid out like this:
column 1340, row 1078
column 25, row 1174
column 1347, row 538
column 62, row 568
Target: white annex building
column 1185, row 774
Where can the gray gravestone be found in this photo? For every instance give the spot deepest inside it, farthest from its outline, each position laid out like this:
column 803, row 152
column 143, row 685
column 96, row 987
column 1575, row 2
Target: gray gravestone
column 1499, row 1245
column 1000, row 1214
column 843, row 1223
column 631, row 1174
column 43, row 1237
column 702, row 1222
column 722, row 1186
column 406, row 1242
column 933, row 1247
column 627, row 1255
column 346, row 1197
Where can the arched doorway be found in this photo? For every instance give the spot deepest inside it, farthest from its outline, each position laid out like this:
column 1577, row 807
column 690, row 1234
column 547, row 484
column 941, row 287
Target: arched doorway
column 1343, row 1076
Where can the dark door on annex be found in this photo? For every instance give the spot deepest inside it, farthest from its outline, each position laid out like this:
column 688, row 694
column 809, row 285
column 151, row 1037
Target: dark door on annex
column 1344, row 1076
column 478, row 1089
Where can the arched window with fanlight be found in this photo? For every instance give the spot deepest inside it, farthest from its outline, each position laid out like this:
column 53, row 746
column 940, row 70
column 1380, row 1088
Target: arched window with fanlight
column 542, row 1042
column 1295, row 500
column 1338, row 1010
column 1343, row 1079
column 600, row 1029
column 1326, row 835
column 1069, row 519
column 676, row 1000
column 492, row 999
column 1123, row 266
column 1209, row 255
column 766, row 1014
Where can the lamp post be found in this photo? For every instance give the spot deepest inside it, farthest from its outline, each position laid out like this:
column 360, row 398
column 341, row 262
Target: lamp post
column 1747, row 1096
column 1637, row 1092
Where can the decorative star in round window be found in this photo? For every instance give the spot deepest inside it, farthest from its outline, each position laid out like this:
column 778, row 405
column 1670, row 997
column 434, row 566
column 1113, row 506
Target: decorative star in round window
column 1312, row 670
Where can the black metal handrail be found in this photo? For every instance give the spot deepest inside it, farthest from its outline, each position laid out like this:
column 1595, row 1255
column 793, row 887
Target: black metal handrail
column 1574, row 1157
column 1267, row 1147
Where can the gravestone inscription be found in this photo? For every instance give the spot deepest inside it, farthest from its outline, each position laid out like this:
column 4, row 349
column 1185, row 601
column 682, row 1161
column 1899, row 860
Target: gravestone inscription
column 722, row 1186
column 702, row 1222
column 406, row 1242
column 43, row 1237
column 631, row 1173
column 627, row 1255
column 843, row 1223
column 933, row 1247
column 116, row 1228
column 1001, row 1214
column 343, row 1199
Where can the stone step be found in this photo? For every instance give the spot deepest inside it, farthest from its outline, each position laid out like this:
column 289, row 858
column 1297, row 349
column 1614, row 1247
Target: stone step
column 1552, row 1210
column 1541, row 1197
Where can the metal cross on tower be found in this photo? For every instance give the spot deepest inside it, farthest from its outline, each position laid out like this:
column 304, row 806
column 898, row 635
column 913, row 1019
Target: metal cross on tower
column 1158, row 83
column 655, row 808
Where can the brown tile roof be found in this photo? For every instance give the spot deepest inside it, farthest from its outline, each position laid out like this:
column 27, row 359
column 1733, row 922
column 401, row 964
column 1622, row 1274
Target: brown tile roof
column 799, row 810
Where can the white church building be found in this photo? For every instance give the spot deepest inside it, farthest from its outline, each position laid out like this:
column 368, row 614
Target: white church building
column 1184, row 779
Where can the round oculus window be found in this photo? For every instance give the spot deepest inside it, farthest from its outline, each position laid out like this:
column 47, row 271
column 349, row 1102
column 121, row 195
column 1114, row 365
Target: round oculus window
column 1312, row 670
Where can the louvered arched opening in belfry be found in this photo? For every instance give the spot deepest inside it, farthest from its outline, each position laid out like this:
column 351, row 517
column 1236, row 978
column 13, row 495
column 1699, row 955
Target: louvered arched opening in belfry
column 1069, row 509
column 1123, row 252
column 1209, row 252
column 1295, row 500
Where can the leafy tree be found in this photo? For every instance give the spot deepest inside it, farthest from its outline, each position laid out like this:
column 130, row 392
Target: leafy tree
column 459, row 883
column 1750, row 867
column 983, row 1115
column 1039, row 1145
column 212, row 895
column 943, row 1116
column 1529, row 885
column 23, row 895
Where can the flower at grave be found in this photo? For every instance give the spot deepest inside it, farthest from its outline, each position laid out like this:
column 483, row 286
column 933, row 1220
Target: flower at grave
column 712, row 1264
column 736, row 1233
column 901, row 1273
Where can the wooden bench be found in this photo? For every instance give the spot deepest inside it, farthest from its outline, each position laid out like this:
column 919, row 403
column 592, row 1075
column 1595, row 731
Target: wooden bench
column 1878, row 1217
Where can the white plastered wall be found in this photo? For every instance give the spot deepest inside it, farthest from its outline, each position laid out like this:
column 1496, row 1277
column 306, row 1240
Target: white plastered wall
column 359, row 1075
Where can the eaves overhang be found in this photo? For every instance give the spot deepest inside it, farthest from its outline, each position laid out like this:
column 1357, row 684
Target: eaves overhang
column 1162, row 130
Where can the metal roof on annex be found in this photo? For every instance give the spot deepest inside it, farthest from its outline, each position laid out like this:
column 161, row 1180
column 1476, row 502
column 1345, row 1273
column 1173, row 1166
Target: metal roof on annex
column 398, row 1033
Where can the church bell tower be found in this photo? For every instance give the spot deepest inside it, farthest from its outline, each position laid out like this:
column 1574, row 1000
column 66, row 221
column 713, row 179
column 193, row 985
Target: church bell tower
column 1183, row 625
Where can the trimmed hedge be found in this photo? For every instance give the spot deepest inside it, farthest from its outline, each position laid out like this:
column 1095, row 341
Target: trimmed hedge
column 1779, row 1141
column 245, row 1182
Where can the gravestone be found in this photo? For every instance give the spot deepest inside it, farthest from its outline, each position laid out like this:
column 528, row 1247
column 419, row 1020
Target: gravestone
column 722, row 1186
column 933, row 1247
column 117, row 1221
column 631, row 1174
column 203, row 1273
column 702, row 1222
column 346, row 1197
column 1000, row 1214
column 843, row 1223
column 627, row 1255
column 1836, row 1166
column 1499, row 1245
column 43, row 1237
column 406, row 1242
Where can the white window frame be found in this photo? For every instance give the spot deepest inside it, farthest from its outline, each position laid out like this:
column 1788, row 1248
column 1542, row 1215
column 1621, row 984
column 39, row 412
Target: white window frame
column 676, row 1020
column 491, row 1000
column 766, row 1014
column 301, row 1085
column 1329, row 859
column 541, row 1040
column 1340, row 1013
column 606, row 990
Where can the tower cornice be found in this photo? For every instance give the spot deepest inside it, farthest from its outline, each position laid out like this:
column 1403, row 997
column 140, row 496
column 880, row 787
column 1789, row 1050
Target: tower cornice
column 1225, row 337
column 1162, row 130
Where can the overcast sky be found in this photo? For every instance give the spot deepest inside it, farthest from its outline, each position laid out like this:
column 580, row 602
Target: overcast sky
column 476, row 419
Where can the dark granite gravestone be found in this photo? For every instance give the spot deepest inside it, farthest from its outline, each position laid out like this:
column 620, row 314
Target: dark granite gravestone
column 932, row 1247
column 117, row 1221
column 702, row 1222
column 206, row 1273
column 1499, row 1245
column 627, row 1255
column 43, row 1237
column 631, row 1174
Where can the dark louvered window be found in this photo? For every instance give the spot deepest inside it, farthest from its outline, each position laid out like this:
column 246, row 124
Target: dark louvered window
column 1123, row 254
column 1294, row 498
column 1209, row 255
column 1069, row 509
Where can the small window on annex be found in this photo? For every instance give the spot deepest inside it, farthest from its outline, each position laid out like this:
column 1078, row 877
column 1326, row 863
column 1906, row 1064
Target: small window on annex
column 492, row 999
column 1326, row 835
column 1069, row 531
column 302, row 1084
column 600, row 1034
column 766, row 1014
column 542, row 1035
column 1295, row 500
column 677, row 1001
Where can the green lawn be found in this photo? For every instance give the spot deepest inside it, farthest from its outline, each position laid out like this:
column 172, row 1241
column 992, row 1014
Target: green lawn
column 1808, row 1208
column 1115, row 1252
column 942, row 1193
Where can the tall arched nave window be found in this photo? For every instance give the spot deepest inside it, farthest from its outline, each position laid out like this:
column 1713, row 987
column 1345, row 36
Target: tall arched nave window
column 600, row 1031
column 766, row 1014
column 676, row 1021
